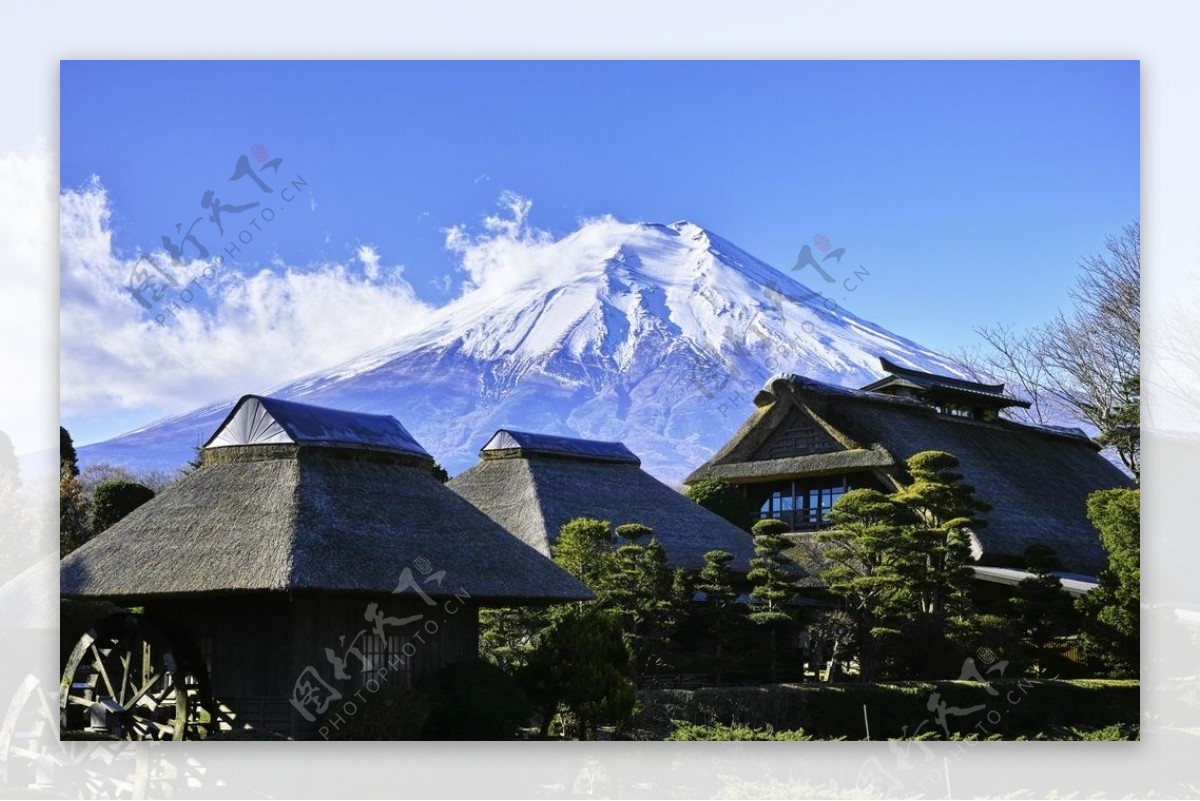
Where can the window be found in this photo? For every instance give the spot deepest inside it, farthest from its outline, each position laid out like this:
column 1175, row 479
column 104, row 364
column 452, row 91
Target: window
column 803, row 505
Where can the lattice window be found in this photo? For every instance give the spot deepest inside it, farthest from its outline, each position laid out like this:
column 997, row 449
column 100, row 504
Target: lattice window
column 799, row 438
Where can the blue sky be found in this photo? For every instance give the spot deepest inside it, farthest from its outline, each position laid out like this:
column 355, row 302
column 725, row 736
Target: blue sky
column 968, row 190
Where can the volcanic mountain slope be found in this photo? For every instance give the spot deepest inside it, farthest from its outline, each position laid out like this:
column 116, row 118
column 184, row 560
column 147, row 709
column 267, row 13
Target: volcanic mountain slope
column 655, row 335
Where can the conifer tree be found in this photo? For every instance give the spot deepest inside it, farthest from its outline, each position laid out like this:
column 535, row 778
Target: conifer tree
column 722, row 617
column 1111, row 611
column 1039, row 610
column 771, row 586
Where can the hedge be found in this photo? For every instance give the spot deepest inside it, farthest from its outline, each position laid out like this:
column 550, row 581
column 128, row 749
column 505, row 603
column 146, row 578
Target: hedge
column 1020, row 708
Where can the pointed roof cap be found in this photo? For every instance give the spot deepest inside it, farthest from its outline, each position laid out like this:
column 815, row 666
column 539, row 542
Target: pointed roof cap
column 908, row 377
column 260, row 420
column 507, row 442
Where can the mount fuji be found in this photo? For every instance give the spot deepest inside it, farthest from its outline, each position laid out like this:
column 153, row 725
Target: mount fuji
column 654, row 335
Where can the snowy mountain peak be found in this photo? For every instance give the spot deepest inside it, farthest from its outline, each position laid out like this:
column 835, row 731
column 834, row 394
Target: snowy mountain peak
column 620, row 331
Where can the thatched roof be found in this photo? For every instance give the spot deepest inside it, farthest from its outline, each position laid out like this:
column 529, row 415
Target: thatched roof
column 533, row 493
column 1036, row 478
column 315, row 517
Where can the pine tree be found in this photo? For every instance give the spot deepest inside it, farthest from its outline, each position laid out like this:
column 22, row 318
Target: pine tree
column 859, row 548
column 900, row 562
column 585, row 550
column 932, row 558
column 771, row 586
column 580, row 665
column 722, row 617
column 507, row 634
column 1039, row 610
column 638, row 589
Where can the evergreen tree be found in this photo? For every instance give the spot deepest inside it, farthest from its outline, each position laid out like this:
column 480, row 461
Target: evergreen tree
column 580, row 665
column 440, row 473
column 507, row 634
column 74, row 512
column 723, row 499
column 771, row 586
column 196, row 462
column 66, row 451
column 932, row 559
column 585, row 550
column 722, row 617
column 639, row 590
column 113, row 500
column 860, row 550
column 1039, row 610
column 900, row 562
column 1111, row 611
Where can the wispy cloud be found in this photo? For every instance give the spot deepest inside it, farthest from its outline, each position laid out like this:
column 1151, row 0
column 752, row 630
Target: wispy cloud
column 257, row 329
column 511, row 253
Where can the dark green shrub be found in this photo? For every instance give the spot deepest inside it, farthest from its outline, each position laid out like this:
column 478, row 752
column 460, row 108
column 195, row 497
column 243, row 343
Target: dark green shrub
column 723, row 499
column 115, row 499
column 1022, row 707
column 693, row 732
column 475, row 701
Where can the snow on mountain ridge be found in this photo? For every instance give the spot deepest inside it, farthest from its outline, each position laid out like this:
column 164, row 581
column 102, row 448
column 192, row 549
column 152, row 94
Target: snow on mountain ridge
column 646, row 333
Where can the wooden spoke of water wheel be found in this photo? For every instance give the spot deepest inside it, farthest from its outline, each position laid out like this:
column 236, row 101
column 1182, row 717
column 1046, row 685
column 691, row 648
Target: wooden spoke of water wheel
column 129, row 678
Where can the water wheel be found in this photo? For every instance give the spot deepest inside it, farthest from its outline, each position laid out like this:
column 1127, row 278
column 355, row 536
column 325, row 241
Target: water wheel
column 135, row 679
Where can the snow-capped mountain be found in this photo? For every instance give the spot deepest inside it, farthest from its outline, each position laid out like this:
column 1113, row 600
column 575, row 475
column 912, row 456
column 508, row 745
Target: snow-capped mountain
column 655, row 335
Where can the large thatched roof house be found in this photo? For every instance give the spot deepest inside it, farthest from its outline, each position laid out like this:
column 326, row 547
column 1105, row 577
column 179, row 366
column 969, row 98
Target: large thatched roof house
column 302, row 534
column 807, row 442
column 531, row 484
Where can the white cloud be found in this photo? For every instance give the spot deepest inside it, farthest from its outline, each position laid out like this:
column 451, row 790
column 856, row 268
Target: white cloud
column 258, row 330
column 369, row 257
column 511, row 253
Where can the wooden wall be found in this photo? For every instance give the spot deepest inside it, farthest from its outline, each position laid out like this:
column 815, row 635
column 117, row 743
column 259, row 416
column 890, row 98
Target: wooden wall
column 264, row 650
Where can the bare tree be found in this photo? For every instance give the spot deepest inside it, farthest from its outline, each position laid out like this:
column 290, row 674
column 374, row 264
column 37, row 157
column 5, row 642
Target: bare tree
column 1012, row 358
column 1086, row 362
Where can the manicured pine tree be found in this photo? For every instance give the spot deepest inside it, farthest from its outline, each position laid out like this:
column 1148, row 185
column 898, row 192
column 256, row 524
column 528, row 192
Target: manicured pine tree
column 933, row 553
column 866, row 526
column 771, row 587
column 722, row 617
column 1039, row 610
column 932, row 558
column 638, row 590
column 507, row 634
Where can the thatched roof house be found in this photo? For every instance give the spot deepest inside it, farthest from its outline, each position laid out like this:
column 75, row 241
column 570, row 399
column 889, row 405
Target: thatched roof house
column 534, row 483
column 301, row 526
column 292, row 498
column 807, row 442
